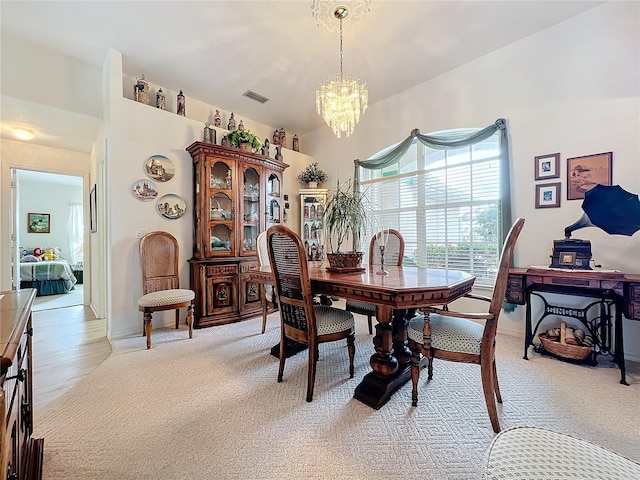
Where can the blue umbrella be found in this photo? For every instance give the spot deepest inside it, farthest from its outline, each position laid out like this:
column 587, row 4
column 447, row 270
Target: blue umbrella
column 611, row 208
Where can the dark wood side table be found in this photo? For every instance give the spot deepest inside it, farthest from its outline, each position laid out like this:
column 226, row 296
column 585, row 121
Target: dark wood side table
column 608, row 288
column 20, row 454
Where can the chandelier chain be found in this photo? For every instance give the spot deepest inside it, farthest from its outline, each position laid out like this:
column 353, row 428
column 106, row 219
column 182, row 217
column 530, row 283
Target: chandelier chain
column 340, row 48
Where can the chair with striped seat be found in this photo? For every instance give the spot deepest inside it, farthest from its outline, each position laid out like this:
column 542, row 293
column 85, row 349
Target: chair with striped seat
column 393, row 254
column 160, row 281
column 301, row 320
column 459, row 337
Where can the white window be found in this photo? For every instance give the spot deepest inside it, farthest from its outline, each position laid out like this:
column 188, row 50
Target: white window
column 445, row 203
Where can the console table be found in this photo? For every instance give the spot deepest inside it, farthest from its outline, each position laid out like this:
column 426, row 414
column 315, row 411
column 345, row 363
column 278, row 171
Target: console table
column 20, row 454
column 607, row 288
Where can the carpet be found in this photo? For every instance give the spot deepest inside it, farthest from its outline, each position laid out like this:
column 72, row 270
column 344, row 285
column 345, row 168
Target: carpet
column 210, row 408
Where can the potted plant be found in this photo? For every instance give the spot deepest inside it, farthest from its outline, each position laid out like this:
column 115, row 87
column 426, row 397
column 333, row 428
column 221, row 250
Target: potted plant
column 345, row 217
column 312, row 175
column 238, row 138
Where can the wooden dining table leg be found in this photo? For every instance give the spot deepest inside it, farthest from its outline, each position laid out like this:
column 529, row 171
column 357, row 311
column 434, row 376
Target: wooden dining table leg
column 388, row 372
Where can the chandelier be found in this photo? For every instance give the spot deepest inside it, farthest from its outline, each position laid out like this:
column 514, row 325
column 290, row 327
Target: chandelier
column 341, row 99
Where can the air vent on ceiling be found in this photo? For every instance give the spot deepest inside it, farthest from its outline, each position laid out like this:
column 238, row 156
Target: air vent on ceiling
column 255, row 96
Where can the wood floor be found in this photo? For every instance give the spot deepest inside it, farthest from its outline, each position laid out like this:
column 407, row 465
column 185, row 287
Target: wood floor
column 68, row 343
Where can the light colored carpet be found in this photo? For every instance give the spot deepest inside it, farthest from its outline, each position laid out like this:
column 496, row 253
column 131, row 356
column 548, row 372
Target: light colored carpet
column 210, row 408
column 69, row 299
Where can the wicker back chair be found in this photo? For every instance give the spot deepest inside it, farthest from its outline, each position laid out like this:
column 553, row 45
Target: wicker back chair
column 458, row 337
column 300, row 319
column 160, row 282
column 268, row 291
column 393, row 255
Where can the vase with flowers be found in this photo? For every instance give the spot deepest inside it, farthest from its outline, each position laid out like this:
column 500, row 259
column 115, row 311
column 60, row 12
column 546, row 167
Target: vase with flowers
column 312, row 175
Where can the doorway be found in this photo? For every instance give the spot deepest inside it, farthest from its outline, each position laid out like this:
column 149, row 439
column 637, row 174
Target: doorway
column 57, row 202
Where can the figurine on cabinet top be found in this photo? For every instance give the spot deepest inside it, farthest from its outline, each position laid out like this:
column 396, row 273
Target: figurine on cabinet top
column 209, row 135
column 141, row 91
column 217, row 120
column 225, row 140
column 241, row 126
column 265, row 147
column 283, row 137
column 161, row 102
column 296, row 144
column 181, row 104
column 232, row 123
column 276, row 137
column 278, row 153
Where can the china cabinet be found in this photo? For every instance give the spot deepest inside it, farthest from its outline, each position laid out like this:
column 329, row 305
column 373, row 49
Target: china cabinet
column 237, row 194
column 312, row 203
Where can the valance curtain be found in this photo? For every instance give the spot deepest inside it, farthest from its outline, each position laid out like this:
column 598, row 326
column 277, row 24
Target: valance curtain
column 447, row 141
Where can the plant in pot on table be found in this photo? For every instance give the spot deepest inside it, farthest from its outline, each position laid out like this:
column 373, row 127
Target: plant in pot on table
column 312, row 175
column 238, row 138
column 345, row 217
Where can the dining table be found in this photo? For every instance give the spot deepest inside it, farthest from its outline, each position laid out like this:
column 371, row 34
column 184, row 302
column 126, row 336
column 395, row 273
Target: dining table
column 397, row 295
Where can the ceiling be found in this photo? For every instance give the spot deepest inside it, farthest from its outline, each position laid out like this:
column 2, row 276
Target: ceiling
column 216, row 50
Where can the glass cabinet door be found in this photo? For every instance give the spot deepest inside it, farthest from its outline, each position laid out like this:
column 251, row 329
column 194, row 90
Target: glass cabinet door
column 221, row 210
column 251, row 208
column 273, row 204
column 312, row 225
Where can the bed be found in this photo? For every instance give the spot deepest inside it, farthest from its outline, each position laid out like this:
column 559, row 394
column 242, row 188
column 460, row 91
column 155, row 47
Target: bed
column 48, row 277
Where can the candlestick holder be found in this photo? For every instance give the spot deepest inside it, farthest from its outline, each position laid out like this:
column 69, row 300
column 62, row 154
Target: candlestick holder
column 382, row 271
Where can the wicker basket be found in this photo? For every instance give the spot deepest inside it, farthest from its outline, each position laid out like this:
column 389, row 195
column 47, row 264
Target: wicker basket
column 561, row 349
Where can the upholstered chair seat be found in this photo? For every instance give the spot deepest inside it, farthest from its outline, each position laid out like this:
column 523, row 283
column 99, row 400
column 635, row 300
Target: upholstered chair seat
column 535, row 453
column 166, row 297
column 331, row 320
column 448, row 333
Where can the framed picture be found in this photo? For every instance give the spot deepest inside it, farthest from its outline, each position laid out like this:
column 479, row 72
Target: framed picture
column 584, row 173
column 93, row 209
column 547, row 166
column 38, row 223
column 548, row 195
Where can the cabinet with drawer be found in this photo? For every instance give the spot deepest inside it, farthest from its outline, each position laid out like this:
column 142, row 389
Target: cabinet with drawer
column 20, row 454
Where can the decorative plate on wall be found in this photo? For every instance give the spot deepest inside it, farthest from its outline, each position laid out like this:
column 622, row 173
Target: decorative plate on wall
column 171, row 206
column 159, row 168
column 144, row 189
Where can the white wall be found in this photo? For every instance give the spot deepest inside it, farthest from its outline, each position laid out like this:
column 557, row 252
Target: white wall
column 573, row 88
column 54, row 199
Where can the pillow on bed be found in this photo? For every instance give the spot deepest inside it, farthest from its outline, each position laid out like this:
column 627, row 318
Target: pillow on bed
column 29, row 258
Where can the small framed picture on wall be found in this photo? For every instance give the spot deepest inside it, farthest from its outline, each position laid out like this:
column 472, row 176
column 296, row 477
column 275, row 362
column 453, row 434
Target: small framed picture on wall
column 548, row 195
column 38, row 223
column 547, row 166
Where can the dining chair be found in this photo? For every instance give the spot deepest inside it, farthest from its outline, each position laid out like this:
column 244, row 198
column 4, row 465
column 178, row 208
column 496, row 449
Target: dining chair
column 459, row 337
column 301, row 320
column 268, row 291
column 159, row 254
column 393, row 254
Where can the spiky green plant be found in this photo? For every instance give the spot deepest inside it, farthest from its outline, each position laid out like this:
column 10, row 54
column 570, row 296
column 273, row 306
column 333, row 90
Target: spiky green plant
column 345, row 215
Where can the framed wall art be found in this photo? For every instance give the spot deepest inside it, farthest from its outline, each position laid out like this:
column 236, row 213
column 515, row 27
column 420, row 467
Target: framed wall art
column 547, row 166
column 584, row 173
column 93, row 209
column 38, row 223
column 548, row 195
